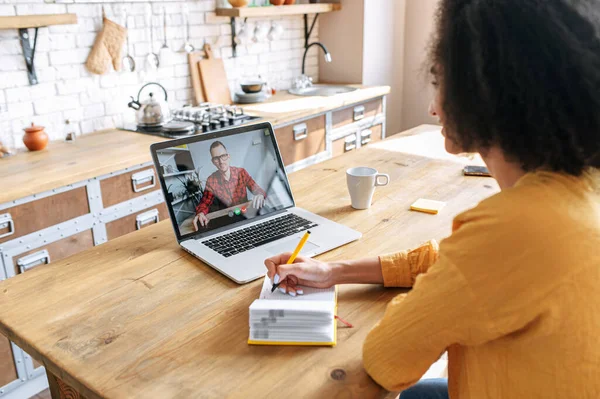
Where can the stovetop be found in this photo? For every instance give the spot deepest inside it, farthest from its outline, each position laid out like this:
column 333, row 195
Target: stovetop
column 204, row 118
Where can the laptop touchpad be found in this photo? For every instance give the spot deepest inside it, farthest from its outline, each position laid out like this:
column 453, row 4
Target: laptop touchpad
column 289, row 246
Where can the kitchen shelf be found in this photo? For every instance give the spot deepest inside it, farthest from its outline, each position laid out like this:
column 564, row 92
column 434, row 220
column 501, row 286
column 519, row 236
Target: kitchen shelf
column 22, row 23
column 272, row 11
column 37, row 21
column 185, row 172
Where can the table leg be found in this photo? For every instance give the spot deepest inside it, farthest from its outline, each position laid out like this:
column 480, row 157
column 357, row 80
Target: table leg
column 60, row 390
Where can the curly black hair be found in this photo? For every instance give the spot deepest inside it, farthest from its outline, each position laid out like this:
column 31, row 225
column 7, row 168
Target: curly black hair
column 523, row 75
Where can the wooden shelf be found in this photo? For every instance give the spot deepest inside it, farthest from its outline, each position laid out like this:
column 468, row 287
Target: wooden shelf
column 271, row 11
column 185, row 172
column 37, row 21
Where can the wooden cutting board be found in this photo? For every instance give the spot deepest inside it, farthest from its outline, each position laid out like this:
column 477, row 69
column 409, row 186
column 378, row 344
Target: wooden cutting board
column 194, row 59
column 214, row 79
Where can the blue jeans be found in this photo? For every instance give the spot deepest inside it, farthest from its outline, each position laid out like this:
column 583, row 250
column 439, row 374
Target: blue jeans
column 435, row 388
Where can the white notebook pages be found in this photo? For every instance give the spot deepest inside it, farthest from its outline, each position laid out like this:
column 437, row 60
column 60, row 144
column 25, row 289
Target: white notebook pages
column 278, row 318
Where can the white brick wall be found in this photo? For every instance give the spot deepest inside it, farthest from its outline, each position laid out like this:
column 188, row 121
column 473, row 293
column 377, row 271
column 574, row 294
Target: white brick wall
column 67, row 91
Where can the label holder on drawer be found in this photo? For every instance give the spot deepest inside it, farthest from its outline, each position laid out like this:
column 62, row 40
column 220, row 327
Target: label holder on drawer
column 365, row 136
column 143, row 177
column 6, row 221
column 350, row 143
column 300, row 131
column 146, row 217
column 359, row 113
column 33, row 260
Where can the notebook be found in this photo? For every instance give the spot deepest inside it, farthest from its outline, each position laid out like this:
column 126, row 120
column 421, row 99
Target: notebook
column 280, row 319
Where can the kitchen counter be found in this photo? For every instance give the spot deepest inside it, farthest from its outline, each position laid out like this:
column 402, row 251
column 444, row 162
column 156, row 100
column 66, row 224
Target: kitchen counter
column 104, row 152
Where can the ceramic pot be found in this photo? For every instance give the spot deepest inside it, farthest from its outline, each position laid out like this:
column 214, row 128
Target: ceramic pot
column 238, row 3
column 277, row 2
column 289, row 2
column 35, row 138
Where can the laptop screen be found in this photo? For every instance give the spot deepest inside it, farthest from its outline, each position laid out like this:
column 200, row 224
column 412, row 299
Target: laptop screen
column 214, row 183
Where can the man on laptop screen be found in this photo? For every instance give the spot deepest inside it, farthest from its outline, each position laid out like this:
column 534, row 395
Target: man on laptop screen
column 229, row 185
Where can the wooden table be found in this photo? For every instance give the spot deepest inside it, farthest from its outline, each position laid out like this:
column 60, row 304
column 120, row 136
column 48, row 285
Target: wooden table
column 138, row 317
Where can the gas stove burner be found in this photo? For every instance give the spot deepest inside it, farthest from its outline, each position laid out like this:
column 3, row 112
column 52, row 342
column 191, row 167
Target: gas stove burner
column 179, row 128
column 199, row 119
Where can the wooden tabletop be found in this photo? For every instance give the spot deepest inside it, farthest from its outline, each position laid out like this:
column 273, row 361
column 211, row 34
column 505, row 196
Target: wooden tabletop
column 97, row 154
column 138, row 317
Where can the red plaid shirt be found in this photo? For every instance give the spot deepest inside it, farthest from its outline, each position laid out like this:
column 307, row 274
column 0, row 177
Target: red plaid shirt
column 230, row 192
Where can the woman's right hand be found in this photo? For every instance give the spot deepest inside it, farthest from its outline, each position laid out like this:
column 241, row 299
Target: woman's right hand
column 304, row 271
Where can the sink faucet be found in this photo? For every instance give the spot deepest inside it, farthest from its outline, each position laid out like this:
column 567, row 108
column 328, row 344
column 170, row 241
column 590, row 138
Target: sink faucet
column 327, row 54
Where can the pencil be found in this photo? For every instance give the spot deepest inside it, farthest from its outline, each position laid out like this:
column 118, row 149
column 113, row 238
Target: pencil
column 294, row 254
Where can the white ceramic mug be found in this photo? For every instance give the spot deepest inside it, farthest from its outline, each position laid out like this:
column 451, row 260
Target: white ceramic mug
column 361, row 185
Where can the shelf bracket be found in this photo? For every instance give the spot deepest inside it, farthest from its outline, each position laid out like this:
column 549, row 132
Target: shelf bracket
column 308, row 32
column 29, row 53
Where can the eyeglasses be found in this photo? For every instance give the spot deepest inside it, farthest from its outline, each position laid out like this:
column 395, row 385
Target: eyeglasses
column 220, row 158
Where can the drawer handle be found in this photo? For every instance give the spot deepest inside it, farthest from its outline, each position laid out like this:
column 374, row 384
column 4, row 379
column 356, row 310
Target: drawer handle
column 300, row 132
column 142, row 177
column 350, row 143
column 365, row 136
column 7, row 222
column 36, row 259
column 145, row 218
column 359, row 112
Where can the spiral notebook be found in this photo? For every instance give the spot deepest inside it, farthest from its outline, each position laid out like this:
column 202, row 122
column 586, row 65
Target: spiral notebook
column 280, row 319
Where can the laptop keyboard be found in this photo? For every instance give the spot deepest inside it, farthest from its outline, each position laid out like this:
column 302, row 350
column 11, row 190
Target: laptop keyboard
column 259, row 234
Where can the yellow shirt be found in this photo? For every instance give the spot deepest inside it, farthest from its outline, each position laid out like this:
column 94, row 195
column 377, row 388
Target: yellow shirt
column 513, row 295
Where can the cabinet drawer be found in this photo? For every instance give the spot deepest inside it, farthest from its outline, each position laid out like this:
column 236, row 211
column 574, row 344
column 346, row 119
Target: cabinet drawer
column 131, row 223
column 370, row 135
column 36, row 215
column 128, row 185
column 345, row 144
column 53, row 252
column 301, row 140
column 8, row 371
column 357, row 112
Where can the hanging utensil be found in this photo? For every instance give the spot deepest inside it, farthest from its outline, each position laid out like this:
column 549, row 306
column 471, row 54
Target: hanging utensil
column 187, row 47
column 165, row 51
column 152, row 60
column 128, row 61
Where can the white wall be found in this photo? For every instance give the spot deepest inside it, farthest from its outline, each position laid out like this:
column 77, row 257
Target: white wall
column 68, row 91
column 342, row 33
column 383, row 42
column 417, row 90
column 383, row 54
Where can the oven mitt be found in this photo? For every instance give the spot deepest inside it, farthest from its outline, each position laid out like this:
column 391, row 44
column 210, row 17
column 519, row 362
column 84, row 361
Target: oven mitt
column 107, row 48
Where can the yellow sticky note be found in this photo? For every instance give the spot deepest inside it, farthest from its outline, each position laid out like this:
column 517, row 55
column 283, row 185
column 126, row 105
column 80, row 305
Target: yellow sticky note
column 427, row 206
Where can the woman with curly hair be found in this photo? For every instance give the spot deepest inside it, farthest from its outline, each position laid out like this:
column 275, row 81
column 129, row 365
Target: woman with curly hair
column 513, row 294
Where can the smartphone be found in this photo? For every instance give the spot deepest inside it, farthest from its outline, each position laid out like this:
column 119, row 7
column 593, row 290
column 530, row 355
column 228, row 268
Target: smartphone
column 472, row 170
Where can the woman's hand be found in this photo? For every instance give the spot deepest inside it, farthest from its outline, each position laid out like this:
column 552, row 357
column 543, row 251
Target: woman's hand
column 304, row 271
column 200, row 219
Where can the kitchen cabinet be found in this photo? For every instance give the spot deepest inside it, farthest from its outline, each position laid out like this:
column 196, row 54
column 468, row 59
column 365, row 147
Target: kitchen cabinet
column 126, row 186
column 301, row 140
column 52, row 252
column 8, row 370
column 136, row 221
column 23, row 219
column 356, row 113
column 345, row 144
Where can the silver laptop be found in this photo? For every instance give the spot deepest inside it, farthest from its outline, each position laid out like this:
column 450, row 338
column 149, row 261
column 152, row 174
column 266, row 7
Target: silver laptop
column 231, row 204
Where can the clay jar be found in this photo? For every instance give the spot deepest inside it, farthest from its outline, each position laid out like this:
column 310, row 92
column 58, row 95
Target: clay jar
column 289, row 2
column 277, row 2
column 35, row 138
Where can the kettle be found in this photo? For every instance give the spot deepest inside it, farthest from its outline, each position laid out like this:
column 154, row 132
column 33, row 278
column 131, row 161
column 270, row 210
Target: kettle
column 151, row 112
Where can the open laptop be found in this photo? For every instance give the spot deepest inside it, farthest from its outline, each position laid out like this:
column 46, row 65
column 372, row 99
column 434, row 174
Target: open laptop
column 231, row 204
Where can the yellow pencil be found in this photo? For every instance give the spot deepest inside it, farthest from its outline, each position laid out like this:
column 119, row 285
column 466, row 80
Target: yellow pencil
column 294, row 254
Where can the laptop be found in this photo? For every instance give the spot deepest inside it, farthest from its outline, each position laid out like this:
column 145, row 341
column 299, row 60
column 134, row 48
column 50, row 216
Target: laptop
column 231, row 204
